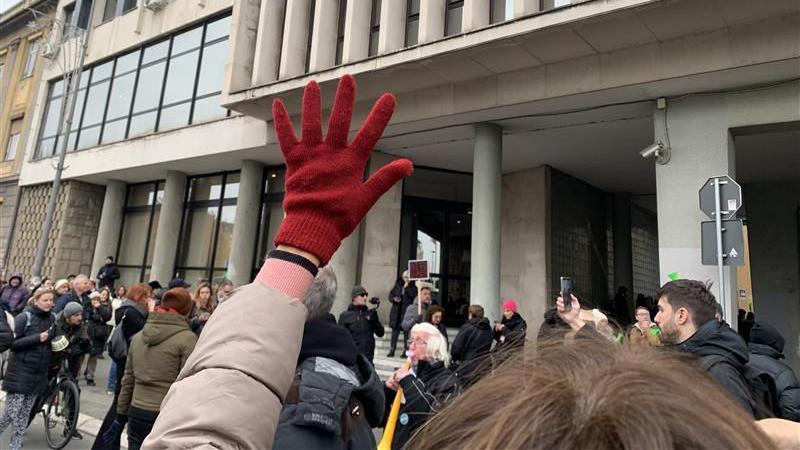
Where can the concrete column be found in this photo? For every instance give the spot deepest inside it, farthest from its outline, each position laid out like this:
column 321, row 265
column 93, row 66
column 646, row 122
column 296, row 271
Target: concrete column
column 476, row 14
column 486, row 208
column 110, row 224
column 295, row 38
column 381, row 247
column 243, row 37
column 525, row 244
column 323, row 44
column 345, row 265
column 356, row 34
column 701, row 147
column 246, row 222
column 393, row 26
column 169, row 228
column 268, row 41
column 525, row 7
column 623, row 249
column 431, row 20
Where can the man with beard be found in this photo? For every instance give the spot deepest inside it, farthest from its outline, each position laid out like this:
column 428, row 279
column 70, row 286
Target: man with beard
column 686, row 311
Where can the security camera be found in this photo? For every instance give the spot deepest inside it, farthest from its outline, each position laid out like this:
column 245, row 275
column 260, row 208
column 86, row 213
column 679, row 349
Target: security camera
column 656, row 150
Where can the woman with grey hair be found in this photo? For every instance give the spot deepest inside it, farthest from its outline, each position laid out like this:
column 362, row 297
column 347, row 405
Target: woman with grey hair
column 336, row 397
column 427, row 385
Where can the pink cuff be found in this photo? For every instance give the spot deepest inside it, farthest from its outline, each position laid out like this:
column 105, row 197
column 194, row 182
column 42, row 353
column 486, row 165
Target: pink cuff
column 289, row 278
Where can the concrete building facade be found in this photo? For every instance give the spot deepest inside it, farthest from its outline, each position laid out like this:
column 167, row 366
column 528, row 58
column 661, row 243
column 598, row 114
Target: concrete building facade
column 524, row 120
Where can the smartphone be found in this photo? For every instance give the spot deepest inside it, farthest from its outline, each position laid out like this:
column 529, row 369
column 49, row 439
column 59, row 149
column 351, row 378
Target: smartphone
column 566, row 293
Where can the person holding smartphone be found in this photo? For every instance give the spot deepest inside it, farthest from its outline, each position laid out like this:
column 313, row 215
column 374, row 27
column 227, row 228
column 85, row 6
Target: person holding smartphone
column 511, row 331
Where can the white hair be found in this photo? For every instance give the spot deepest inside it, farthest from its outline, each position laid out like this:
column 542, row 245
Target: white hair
column 436, row 349
column 319, row 298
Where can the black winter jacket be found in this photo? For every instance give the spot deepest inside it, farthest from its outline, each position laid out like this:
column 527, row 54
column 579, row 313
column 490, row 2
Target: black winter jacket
column 107, row 275
column 406, row 295
column 135, row 317
column 336, row 397
column 714, row 339
column 425, row 394
column 6, row 335
column 363, row 325
column 514, row 333
column 79, row 341
column 473, row 341
column 30, row 358
column 98, row 329
column 766, row 354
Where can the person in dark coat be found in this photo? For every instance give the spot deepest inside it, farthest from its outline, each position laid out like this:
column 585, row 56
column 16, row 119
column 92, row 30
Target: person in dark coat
column 98, row 315
column 131, row 316
column 512, row 329
column 31, row 356
column 412, row 316
column 686, row 310
column 427, row 386
column 70, row 323
column 435, row 317
column 472, row 343
column 336, row 397
column 362, row 323
column 766, row 356
column 401, row 297
column 81, row 287
column 13, row 294
column 6, row 333
column 108, row 274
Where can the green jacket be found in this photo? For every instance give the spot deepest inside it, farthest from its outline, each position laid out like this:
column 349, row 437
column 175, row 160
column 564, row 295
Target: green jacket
column 155, row 357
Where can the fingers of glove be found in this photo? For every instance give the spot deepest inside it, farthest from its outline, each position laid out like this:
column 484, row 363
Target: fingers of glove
column 383, row 180
column 312, row 115
column 342, row 112
column 283, row 127
column 372, row 128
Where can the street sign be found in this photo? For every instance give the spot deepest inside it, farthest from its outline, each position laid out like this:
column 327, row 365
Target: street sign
column 732, row 242
column 730, row 194
column 418, row 269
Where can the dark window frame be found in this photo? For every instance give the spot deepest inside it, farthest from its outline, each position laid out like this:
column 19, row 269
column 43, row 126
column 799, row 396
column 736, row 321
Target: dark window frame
column 151, row 208
column 341, row 24
column 449, row 7
column 374, row 28
column 310, row 38
column 411, row 17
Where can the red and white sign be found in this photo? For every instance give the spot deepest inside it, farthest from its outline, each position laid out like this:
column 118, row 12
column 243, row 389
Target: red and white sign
column 418, row 269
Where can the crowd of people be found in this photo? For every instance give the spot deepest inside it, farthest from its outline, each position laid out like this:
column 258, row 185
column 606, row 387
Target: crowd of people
column 69, row 322
column 284, row 373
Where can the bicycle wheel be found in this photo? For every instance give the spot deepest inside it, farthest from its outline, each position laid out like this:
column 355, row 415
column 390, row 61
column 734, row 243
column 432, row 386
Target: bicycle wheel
column 61, row 414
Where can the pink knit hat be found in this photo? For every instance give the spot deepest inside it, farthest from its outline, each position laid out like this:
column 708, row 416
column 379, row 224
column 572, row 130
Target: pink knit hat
column 510, row 305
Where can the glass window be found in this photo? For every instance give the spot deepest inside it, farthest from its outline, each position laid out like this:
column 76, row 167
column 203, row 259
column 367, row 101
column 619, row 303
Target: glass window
column 11, row 146
column 95, row 104
column 69, row 12
column 232, row 185
column 174, row 116
column 30, row 62
column 374, row 27
column 142, row 124
column 205, row 188
column 128, row 5
column 148, row 89
column 340, row 31
column 500, row 10
column 102, row 72
column 142, row 211
column 207, row 109
column 180, row 80
column 550, row 4
column 134, row 238
column 310, row 29
column 452, row 23
column 199, row 226
column 412, row 22
column 110, row 10
column 155, row 52
column 51, row 118
column 89, row 137
column 218, row 28
column 83, row 16
column 127, row 63
column 76, row 121
column 119, row 103
column 114, row 131
column 225, row 236
column 187, row 40
column 140, row 195
column 212, row 68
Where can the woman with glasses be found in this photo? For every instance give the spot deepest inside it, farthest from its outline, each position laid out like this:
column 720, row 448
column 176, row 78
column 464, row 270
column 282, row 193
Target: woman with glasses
column 427, row 385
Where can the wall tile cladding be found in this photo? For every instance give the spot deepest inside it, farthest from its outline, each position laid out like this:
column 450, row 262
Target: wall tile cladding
column 73, row 235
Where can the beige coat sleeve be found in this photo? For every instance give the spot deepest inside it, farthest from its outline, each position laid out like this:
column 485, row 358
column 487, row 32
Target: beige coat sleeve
column 230, row 393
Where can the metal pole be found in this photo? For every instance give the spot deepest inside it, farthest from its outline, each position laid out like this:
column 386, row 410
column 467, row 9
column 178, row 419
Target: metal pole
column 64, row 123
column 720, row 267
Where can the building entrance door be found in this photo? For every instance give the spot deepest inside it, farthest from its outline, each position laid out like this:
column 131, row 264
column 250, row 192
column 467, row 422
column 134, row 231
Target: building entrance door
column 440, row 232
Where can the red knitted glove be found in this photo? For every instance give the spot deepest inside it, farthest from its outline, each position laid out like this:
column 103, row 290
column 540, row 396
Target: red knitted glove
column 326, row 197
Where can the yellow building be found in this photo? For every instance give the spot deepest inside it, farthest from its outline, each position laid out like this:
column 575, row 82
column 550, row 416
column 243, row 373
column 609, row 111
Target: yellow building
column 21, row 66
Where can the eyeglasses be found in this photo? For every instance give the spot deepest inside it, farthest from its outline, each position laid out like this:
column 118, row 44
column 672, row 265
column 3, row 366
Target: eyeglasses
column 416, row 341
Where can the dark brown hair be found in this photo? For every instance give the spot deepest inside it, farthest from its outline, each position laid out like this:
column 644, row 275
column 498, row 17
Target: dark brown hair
column 210, row 302
column 592, row 394
column 139, row 293
column 476, row 311
column 693, row 295
column 433, row 309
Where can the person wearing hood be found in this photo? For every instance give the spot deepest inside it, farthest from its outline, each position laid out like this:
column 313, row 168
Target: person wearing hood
column 472, row 343
column 99, row 314
column 686, row 311
column 28, row 365
column 401, row 297
column 428, row 385
column 14, row 294
column 131, row 317
column 766, row 356
column 362, row 323
column 108, row 274
column 511, row 331
column 155, row 358
column 336, row 397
